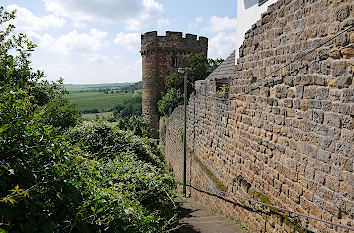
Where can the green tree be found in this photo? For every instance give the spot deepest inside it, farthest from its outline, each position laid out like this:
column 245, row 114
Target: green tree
column 200, row 68
column 16, row 72
column 130, row 107
column 133, row 87
column 15, row 51
column 170, row 101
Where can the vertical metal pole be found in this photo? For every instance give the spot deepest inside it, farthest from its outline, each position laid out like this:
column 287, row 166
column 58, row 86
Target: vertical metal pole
column 185, row 138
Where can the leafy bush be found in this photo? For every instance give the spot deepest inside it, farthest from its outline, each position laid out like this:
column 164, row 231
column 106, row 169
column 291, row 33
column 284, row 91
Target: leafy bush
column 139, row 173
column 61, row 113
column 103, row 140
column 170, row 101
column 135, row 124
column 130, row 107
column 33, row 192
column 101, row 180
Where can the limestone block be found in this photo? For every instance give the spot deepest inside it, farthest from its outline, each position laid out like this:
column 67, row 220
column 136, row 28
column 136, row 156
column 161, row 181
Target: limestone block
column 348, row 52
column 335, row 53
column 342, row 13
column 332, row 119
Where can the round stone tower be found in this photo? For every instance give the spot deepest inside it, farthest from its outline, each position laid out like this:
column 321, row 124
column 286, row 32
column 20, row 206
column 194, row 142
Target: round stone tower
column 161, row 56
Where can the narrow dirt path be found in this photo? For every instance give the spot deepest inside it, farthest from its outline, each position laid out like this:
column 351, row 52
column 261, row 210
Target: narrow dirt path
column 198, row 219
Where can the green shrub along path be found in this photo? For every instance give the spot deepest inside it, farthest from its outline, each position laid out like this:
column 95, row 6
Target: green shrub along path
column 69, row 176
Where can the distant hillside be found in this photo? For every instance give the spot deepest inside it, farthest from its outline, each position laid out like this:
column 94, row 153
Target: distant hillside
column 96, row 87
column 104, row 98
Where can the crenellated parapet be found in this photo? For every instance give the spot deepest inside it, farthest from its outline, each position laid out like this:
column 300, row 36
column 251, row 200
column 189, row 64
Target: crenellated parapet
column 173, row 42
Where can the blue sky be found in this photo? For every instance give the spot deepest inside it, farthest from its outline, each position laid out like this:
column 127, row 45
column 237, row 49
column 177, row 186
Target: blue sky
column 98, row 41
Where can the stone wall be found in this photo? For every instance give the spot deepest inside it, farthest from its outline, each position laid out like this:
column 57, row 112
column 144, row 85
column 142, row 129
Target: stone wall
column 161, row 56
column 281, row 135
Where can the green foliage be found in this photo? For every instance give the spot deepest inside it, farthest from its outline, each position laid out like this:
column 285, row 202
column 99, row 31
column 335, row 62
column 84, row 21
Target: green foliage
column 103, row 141
column 14, row 53
column 223, row 90
column 15, row 72
column 133, row 87
column 129, row 107
column 135, row 124
column 30, row 151
column 170, row 101
column 174, row 80
column 97, row 116
column 101, row 179
column 135, row 166
column 59, row 111
column 200, row 68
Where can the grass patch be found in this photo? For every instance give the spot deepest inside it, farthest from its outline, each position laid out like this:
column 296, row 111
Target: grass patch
column 95, row 87
column 99, row 100
column 243, row 226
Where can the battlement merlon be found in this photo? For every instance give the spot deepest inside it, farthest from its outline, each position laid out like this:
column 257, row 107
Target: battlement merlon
column 153, row 36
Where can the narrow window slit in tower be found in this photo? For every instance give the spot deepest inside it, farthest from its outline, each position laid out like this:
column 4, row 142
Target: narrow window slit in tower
column 174, row 61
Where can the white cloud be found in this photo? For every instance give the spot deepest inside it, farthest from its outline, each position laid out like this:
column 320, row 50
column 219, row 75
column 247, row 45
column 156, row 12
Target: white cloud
column 136, row 13
column 222, row 24
column 27, row 21
column 44, row 41
column 73, row 42
column 222, row 36
column 96, row 58
column 118, row 58
column 65, row 66
column 128, row 40
column 222, row 44
column 133, row 67
column 163, row 22
column 83, row 10
column 193, row 25
column 151, row 12
column 79, row 25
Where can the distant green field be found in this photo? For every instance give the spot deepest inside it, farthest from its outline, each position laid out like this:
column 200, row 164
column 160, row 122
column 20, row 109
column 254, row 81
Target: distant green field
column 99, row 100
column 95, row 87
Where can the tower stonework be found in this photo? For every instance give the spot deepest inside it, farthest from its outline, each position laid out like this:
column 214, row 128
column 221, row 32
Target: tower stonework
column 161, row 56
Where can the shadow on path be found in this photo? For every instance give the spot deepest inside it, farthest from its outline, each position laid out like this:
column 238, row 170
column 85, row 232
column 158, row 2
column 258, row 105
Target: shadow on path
column 197, row 219
column 185, row 213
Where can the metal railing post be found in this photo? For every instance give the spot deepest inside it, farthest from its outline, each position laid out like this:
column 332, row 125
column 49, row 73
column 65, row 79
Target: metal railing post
column 182, row 71
column 185, row 138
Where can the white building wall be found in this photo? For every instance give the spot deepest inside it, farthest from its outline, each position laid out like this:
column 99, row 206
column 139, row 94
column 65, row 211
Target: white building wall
column 248, row 12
